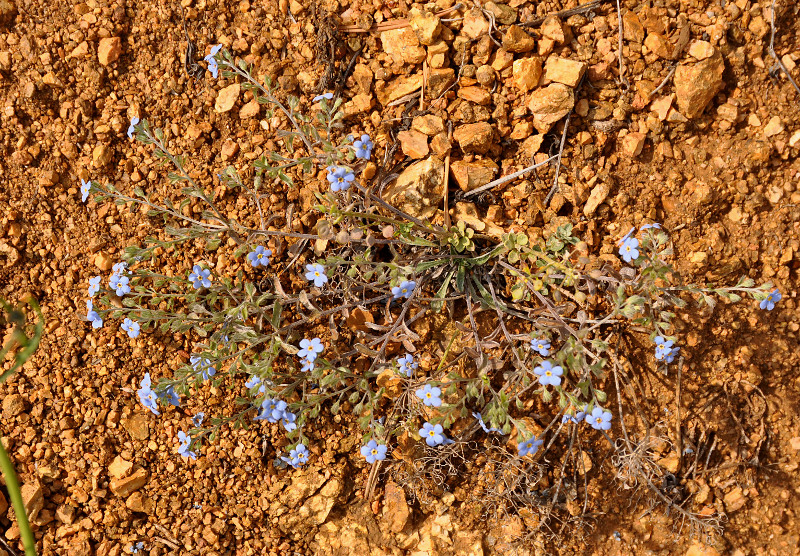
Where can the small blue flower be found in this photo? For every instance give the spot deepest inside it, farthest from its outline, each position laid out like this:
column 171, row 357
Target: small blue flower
column 310, row 348
column 430, row 395
column 649, row 226
column 316, row 273
column 541, row 346
column 629, row 249
column 185, row 441
column 92, row 315
column 197, row 420
column 306, row 365
column 212, row 62
column 548, row 374
column 577, row 417
column 599, row 418
column 529, row 447
column 94, row 285
column 485, row 428
column 664, row 349
column 340, row 177
column 363, row 147
column 289, row 421
column 119, row 284
column 202, row 366
column 407, row 364
column 772, row 298
column 147, row 396
column 297, row 456
column 131, row 327
column 199, row 277
column 119, row 268
column 405, row 289
column 170, row 396
column 137, row 547
column 372, row 451
column 254, row 381
column 260, row 256
column 433, row 434
column 326, row 96
column 132, row 127
column 86, row 186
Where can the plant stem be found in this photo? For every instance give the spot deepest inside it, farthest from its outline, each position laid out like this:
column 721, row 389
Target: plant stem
column 16, row 501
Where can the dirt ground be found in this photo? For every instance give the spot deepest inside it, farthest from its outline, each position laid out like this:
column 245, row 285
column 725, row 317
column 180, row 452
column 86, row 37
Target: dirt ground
column 712, row 155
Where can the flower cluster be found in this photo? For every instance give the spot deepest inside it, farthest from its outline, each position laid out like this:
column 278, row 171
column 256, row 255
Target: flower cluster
column 202, row 366
column 211, row 60
column 309, row 349
column 363, row 147
column 150, row 399
column 599, row 419
column 86, row 187
column 185, row 441
column 772, row 298
column 274, row 411
column 541, row 346
column 92, row 315
column 483, row 425
column 131, row 327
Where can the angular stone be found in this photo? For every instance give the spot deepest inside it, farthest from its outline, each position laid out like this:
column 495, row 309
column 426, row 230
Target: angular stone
column 735, row 499
column 403, row 46
column 428, row 124
column 550, row 104
column 395, row 508
column 474, row 24
column 138, row 502
column 485, row 75
column 478, row 95
column 503, row 14
column 526, row 73
column 438, row 82
column 391, row 383
column 109, row 50
column 661, row 106
column 419, row 190
column 119, row 467
column 226, row 98
column 553, row 29
column 532, row 144
column 474, row 138
column 699, row 549
column 471, row 175
column 250, row 110
column 518, row 40
column 101, row 155
column 702, row 50
column 413, row 143
column 563, row 70
column 774, row 126
column 633, row 143
column 596, row 197
column 32, row 498
column 440, row 144
column 697, row 84
column 124, row 487
column 425, row 25
column 634, row 31
column 13, row 405
column 658, row 45
column 400, row 87
column 137, row 425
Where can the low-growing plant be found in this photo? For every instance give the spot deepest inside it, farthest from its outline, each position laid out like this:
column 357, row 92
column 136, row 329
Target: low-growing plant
column 341, row 319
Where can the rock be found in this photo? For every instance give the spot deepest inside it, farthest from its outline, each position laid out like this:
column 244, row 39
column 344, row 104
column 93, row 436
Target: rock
column 119, row 468
column 532, row 144
column 658, row 45
column 438, row 82
column 124, row 487
column 103, row 261
column 229, row 149
column 550, row 104
column 697, row 84
column 8, row 12
column 250, row 110
column 471, row 175
column 553, row 29
column 425, row 25
column 315, row 509
column 468, row 213
column 391, row 383
column 395, row 508
column 413, row 143
column 474, row 138
column 661, row 106
column 13, row 405
column 101, row 155
column 79, row 51
column 634, row 31
column 401, row 87
column 51, row 80
column 428, row 124
column 563, row 70
column 32, row 498
column 728, row 112
column 360, row 104
column 518, row 40
column 478, row 95
column 794, row 140
column 702, row 50
column 672, row 462
column 419, row 190
column 474, row 24
column 735, row 499
column 505, row 15
column 109, row 50
column 526, row 73
column 403, row 46
column 485, row 75
column 440, row 144
column 226, row 98
column 699, row 549
column 138, row 502
column 66, row 513
column 774, row 126
column 596, row 197
column 468, row 543
column 3, row 501
column 633, row 143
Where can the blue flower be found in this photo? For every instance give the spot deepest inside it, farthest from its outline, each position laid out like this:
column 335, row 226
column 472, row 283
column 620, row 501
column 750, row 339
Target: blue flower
column 147, row 396
column 316, row 273
column 599, row 418
column 664, row 349
column 405, row 289
column 485, row 428
column 529, row 447
column 326, row 96
column 137, row 547
column 649, row 226
column 297, row 456
column 433, row 434
column 772, row 298
column 119, row 284
column 94, row 285
column 119, row 268
column 310, row 348
column 548, row 374
column 289, row 419
column 628, row 250
column 254, row 381
column 541, row 346
column 199, row 277
column 185, row 441
column 212, row 62
column 430, row 395
column 340, row 177
column 271, row 410
column 577, row 417
column 197, row 420
column 363, row 147
column 169, row 396
column 86, row 186
column 407, row 364
column 131, row 327
column 132, row 127
column 202, row 366
column 92, row 315
column 306, row 365
column 372, row 451
column 260, row 256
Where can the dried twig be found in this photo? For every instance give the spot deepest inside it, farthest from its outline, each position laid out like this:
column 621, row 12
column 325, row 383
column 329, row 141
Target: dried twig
column 623, row 80
column 393, row 24
column 508, row 178
column 665, row 81
column 588, row 7
column 778, row 61
column 561, row 147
